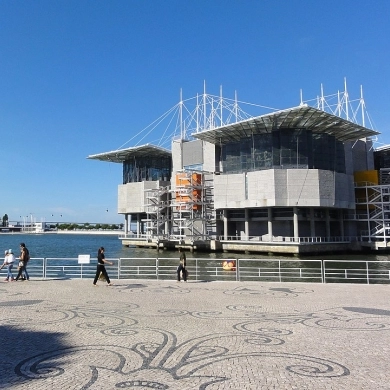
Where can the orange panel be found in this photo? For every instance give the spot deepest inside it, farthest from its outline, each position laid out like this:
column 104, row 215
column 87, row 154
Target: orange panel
column 185, row 180
column 366, row 176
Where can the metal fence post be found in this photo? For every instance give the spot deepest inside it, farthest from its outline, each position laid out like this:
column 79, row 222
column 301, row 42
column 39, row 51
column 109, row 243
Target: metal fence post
column 119, row 268
column 367, row 273
column 157, row 269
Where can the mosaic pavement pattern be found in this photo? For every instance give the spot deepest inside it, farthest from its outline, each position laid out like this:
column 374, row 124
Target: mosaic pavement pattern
column 219, row 335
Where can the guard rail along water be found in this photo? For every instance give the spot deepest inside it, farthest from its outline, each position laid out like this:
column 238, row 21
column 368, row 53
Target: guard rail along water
column 205, row 269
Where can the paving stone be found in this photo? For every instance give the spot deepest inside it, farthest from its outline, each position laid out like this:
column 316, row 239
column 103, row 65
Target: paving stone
column 67, row 334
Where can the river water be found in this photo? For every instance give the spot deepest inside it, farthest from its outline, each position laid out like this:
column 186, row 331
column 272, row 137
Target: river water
column 71, row 245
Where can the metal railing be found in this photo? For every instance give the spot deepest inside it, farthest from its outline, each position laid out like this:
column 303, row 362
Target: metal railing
column 205, row 269
column 360, row 271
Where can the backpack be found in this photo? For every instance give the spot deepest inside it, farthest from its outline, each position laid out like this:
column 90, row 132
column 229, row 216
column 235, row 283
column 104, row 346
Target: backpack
column 26, row 255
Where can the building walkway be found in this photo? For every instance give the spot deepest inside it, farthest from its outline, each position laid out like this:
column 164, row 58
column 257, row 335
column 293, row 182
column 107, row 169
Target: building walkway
column 146, row 334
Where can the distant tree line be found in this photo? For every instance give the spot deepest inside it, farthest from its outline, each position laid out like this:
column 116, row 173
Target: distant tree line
column 86, row 226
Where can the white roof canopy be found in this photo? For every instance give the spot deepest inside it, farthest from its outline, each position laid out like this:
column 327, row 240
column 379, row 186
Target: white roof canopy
column 122, row 155
column 301, row 117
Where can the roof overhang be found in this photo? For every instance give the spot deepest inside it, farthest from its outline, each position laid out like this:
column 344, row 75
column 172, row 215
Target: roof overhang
column 383, row 148
column 121, row 155
column 303, row 117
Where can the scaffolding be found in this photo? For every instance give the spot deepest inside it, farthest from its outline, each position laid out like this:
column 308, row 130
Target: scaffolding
column 373, row 208
column 184, row 211
column 157, row 212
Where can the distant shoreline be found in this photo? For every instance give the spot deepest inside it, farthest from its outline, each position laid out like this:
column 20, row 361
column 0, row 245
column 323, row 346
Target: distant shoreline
column 89, row 232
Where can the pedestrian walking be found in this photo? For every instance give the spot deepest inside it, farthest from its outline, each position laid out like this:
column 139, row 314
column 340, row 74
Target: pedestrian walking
column 182, row 266
column 9, row 263
column 26, row 257
column 100, row 268
column 23, row 260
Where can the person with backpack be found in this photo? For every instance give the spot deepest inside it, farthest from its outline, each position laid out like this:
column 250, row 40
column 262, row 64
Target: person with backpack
column 23, row 260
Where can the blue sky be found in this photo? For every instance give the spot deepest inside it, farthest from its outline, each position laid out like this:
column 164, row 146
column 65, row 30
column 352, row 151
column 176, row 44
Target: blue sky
column 81, row 77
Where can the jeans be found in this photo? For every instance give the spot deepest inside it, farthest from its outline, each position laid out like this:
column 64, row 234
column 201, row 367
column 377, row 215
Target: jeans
column 25, row 272
column 9, row 271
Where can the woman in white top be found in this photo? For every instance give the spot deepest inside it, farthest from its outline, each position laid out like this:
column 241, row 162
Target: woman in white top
column 9, row 262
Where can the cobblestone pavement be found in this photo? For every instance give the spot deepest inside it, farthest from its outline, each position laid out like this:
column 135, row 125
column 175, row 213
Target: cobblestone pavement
column 146, row 334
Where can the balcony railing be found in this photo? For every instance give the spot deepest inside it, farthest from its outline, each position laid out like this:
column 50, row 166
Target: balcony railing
column 205, row 269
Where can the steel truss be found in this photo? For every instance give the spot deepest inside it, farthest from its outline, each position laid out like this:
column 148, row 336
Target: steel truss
column 184, row 211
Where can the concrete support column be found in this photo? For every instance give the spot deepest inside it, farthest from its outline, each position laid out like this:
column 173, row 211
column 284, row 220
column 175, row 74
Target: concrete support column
column 127, row 223
column 225, row 225
column 296, row 228
column 327, row 223
column 138, row 224
column 247, row 224
column 312, row 223
column 270, row 233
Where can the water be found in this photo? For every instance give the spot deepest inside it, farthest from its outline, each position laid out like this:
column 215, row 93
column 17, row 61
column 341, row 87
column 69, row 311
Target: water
column 72, row 245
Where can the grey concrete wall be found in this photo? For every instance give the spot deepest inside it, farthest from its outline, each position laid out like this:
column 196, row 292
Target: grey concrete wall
column 261, row 189
column 229, row 191
column 132, row 196
column 176, row 157
column 192, row 152
column 336, row 190
column 284, row 188
column 302, row 188
column 209, row 157
column 327, row 189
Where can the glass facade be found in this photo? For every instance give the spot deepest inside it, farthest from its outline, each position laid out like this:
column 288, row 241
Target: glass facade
column 147, row 168
column 286, row 149
column 382, row 159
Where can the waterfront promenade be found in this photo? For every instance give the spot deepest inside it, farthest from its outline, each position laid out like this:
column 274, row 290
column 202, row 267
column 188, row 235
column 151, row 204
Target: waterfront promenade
column 147, row 334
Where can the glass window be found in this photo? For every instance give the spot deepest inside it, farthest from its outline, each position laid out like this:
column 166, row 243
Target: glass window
column 284, row 148
column 150, row 168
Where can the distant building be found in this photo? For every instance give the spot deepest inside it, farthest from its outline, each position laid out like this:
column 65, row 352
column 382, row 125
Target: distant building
column 300, row 180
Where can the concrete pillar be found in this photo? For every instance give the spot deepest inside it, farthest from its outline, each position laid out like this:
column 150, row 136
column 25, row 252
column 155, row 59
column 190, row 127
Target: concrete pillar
column 270, row 233
column 127, row 223
column 296, row 228
column 247, row 224
column 138, row 224
column 225, row 225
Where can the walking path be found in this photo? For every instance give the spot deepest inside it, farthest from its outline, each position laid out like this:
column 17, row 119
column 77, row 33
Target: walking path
column 147, row 334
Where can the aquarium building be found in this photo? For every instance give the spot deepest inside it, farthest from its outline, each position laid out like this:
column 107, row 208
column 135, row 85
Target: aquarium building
column 294, row 181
